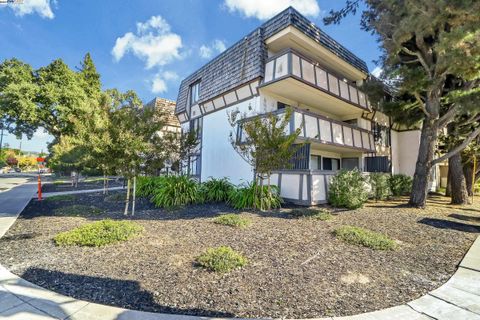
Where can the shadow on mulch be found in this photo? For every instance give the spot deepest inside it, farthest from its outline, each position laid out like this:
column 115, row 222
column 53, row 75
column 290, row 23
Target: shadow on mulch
column 464, row 217
column 120, row 293
column 445, row 224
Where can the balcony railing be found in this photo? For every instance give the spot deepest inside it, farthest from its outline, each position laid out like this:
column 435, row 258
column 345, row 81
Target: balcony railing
column 290, row 64
column 320, row 129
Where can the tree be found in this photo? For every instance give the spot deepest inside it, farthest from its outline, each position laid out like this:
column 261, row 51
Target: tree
column 266, row 146
column 17, row 98
column 12, row 161
column 431, row 49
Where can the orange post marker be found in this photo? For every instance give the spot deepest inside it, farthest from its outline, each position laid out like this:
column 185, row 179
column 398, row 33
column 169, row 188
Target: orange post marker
column 39, row 188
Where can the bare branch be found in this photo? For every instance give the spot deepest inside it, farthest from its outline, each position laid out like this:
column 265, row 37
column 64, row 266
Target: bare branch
column 421, row 104
column 458, row 148
column 420, row 58
column 445, row 119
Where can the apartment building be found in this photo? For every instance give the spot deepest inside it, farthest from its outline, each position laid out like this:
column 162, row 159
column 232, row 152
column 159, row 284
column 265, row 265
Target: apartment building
column 288, row 61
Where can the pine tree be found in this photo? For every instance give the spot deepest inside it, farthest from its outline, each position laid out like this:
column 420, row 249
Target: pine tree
column 431, row 50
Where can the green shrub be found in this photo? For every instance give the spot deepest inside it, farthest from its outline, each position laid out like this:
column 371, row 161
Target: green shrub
column 146, row 186
column 60, row 197
column 320, row 214
column 379, row 183
column 348, row 189
column 366, row 238
column 77, row 210
column 221, row 259
column 175, row 191
column 243, row 197
column 215, row 190
column 98, row 234
column 400, row 184
column 233, row 220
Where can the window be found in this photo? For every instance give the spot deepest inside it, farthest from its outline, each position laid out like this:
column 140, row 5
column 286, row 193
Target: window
column 350, row 163
column 377, row 164
column 353, row 122
column 331, row 164
column 194, row 93
column 381, row 134
column 315, row 162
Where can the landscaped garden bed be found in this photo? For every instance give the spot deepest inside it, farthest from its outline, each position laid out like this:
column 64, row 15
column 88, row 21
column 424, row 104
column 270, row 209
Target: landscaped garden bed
column 288, row 264
column 65, row 184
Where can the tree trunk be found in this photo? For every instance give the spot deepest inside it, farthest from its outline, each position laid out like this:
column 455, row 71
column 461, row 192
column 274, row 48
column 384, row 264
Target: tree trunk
column 133, row 195
column 448, row 189
column 423, row 169
column 459, row 185
column 104, row 182
column 468, row 172
column 127, row 200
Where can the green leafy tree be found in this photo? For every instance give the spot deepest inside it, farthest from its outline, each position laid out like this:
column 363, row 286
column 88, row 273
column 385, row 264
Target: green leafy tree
column 431, row 51
column 17, row 98
column 267, row 147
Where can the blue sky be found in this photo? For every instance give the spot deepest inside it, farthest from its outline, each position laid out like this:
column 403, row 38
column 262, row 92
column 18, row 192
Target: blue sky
column 149, row 46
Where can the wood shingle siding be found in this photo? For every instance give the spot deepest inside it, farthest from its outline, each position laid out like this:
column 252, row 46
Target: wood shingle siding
column 245, row 60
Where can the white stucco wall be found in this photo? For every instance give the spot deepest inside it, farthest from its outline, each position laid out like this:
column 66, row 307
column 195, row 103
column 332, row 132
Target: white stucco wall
column 405, row 146
column 219, row 159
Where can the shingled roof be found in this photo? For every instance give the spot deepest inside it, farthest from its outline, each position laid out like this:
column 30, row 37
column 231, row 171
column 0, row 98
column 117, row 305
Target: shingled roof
column 245, row 60
column 169, row 107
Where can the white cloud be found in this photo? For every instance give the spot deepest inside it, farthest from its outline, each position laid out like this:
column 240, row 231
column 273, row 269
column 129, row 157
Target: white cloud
column 159, row 82
column 41, row 7
column 153, row 43
column 217, row 46
column 264, row 9
column 377, row 72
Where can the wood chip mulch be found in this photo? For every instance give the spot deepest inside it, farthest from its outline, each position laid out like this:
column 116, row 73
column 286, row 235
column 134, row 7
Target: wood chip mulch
column 297, row 269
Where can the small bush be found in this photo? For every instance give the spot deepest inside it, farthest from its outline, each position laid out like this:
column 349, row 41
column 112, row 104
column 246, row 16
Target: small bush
column 348, row 189
column 400, row 184
column 60, row 197
column 98, row 234
column 146, row 186
column 380, row 185
column 366, row 238
column 320, row 214
column 244, row 197
column 175, row 191
column 221, row 259
column 233, row 220
column 215, row 190
column 77, row 210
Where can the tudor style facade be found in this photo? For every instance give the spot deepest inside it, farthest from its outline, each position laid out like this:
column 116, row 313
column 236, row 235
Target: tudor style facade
column 288, row 61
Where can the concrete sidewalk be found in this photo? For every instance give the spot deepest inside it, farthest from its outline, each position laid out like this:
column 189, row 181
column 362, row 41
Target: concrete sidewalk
column 13, row 201
column 458, row 299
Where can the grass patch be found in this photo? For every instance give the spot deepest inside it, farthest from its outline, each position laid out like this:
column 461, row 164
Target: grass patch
column 60, row 197
column 57, row 182
column 97, row 234
column 97, row 179
column 232, row 220
column 366, row 238
column 321, row 214
column 114, row 197
column 222, row 259
column 77, row 210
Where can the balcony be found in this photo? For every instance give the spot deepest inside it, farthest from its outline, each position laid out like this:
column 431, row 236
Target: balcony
column 332, row 134
column 295, row 77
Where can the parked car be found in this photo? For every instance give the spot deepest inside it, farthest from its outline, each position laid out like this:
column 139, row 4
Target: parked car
column 17, row 169
column 4, row 170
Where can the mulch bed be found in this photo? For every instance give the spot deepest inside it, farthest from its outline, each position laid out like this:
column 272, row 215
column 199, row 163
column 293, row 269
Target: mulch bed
column 50, row 186
column 297, row 268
